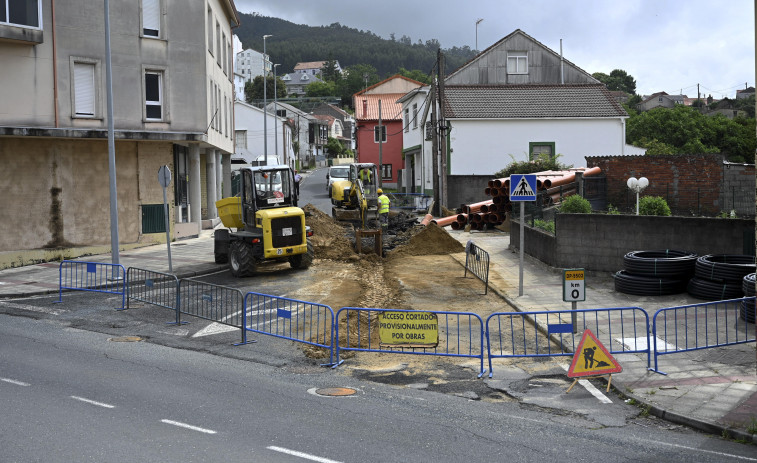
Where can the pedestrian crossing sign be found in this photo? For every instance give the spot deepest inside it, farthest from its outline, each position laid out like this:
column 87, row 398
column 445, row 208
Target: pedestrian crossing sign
column 592, row 359
column 523, row 187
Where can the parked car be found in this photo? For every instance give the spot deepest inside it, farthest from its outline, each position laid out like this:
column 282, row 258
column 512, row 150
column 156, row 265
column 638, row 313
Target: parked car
column 336, row 173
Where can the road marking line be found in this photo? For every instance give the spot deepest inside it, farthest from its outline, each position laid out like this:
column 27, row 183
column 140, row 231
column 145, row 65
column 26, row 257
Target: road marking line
column 99, row 404
column 307, row 456
column 33, row 308
column 13, row 381
column 731, row 455
column 216, row 327
column 590, row 387
column 188, row 426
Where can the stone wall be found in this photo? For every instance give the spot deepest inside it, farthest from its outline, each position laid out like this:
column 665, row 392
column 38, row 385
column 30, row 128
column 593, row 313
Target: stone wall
column 598, row 242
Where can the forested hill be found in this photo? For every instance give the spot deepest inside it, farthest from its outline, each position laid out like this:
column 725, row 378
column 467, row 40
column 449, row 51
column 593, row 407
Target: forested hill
column 292, row 43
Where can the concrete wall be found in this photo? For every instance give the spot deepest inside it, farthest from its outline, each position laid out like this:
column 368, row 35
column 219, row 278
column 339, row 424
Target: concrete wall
column 598, row 242
column 56, row 194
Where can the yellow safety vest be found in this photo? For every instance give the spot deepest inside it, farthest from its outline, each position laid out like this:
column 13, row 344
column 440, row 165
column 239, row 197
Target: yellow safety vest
column 384, row 207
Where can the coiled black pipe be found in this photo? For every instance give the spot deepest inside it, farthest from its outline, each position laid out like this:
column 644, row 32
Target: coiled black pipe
column 664, row 263
column 748, row 307
column 647, row 286
column 724, row 268
column 709, row 290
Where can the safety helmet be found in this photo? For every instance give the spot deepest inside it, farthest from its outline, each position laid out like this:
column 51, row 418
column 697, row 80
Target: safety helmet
column 380, row 191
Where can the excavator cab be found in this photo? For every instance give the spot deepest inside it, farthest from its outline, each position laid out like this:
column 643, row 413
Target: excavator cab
column 356, row 199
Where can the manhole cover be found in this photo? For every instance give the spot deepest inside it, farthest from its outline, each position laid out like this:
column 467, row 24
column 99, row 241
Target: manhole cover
column 125, row 339
column 335, row 391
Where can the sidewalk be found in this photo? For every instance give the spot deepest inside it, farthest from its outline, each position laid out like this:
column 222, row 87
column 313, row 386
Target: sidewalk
column 714, row 390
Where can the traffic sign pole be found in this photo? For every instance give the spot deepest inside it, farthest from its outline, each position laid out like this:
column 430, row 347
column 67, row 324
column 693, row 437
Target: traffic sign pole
column 164, row 178
column 520, row 271
column 522, row 188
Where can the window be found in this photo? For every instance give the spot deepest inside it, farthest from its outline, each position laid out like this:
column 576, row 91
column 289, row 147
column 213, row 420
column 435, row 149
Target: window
column 386, row 171
column 210, row 31
column 376, row 133
column 218, row 43
column 407, row 119
column 517, row 63
column 240, row 139
column 151, row 18
column 153, row 96
column 224, row 60
column 20, row 12
column 415, row 115
column 84, row 89
column 539, row 148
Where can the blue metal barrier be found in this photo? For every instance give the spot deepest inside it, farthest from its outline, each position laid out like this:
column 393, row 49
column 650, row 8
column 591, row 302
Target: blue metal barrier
column 299, row 321
column 477, row 261
column 554, row 333
column 413, row 201
column 220, row 304
column 95, row 277
column 460, row 334
column 699, row 326
column 151, row 287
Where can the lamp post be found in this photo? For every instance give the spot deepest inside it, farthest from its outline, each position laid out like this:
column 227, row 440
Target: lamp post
column 275, row 115
column 478, row 21
column 265, row 103
column 637, row 186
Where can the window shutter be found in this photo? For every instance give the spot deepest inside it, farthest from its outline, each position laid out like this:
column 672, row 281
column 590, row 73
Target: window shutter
column 84, row 89
column 151, row 17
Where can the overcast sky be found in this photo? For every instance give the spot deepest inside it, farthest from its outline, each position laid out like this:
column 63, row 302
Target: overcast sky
column 666, row 45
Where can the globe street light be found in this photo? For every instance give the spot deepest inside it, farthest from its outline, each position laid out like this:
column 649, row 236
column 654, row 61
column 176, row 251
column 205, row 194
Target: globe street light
column 637, row 186
column 265, row 103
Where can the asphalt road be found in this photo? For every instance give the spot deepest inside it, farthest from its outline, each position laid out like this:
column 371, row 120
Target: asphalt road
column 73, row 395
column 313, row 190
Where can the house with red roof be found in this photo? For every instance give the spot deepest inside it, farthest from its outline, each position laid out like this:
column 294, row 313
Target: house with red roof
column 380, row 125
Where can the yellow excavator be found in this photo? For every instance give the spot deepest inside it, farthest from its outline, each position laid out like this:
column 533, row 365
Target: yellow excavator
column 355, row 199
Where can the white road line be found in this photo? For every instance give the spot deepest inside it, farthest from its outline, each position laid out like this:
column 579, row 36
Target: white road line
column 13, row 381
column 307, row 456
column 215, row 327
column 188, row 426
column 693, row 449
column 590, row 387
column 92, row 402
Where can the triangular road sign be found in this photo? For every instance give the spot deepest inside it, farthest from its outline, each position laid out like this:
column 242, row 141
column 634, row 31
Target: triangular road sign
column 592, row 359
column 522, row 188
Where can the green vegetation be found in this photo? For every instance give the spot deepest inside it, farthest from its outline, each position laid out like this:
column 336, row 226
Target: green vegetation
column 548, row 226
column 612, row 210
column 752, row 426
column 254, row 90
column 540, row 164
column 618, row 80
column 654, row 205
column 575, row 204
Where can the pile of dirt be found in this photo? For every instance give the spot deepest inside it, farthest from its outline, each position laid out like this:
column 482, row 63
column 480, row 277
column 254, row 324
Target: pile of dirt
column 330, row 239
column 426, row 241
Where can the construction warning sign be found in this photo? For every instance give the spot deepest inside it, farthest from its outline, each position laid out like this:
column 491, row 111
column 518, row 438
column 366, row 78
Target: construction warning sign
column 408, row 329
column 523, row 187
column 592, row 359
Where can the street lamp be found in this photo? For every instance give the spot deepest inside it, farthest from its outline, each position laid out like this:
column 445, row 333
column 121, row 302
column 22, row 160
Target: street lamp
column 275, row 115
column 637, row 186
column 265, row 103
column 478, row 21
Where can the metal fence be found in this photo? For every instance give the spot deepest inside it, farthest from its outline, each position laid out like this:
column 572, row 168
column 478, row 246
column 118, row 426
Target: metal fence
column 220, row 304
column 95, row 277
column 477, row 261
column 699, row 326
column 460, row 334
column 412, row 201
column 154, row 288
column 300, row 321
column 557, row 333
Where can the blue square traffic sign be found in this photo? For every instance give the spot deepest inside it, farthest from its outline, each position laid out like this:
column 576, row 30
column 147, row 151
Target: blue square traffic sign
column 523, row 187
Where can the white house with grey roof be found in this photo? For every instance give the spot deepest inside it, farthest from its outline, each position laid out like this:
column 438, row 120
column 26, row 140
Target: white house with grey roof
column 513, row 101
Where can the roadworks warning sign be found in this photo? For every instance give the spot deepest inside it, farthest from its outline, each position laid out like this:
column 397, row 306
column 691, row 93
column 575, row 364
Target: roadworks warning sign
column 408, row 329
column 592, row 359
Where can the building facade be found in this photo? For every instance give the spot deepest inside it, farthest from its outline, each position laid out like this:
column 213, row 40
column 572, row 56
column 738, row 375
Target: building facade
column 172, row 73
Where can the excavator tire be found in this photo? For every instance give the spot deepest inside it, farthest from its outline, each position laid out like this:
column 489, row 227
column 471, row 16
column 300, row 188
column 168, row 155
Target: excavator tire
column 303, row 261
column 241, row 259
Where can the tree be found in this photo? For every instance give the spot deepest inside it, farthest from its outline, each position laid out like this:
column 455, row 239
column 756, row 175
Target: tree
column 618, row 80
column 320, row 88
column 329, row 71
column 334, row 147
column 415, row 74
column 253, row 91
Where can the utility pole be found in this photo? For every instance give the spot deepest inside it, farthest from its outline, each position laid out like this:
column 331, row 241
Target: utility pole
column 434, row 151
column 381, row 151
column 442, row 129
column 478, row 21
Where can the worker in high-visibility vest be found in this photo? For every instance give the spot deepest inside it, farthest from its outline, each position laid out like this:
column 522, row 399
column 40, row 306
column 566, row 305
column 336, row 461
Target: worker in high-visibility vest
column 365, row 177
column 383, row 209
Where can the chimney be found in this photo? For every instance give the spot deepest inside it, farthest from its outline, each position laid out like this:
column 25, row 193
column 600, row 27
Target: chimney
column 365, row 108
